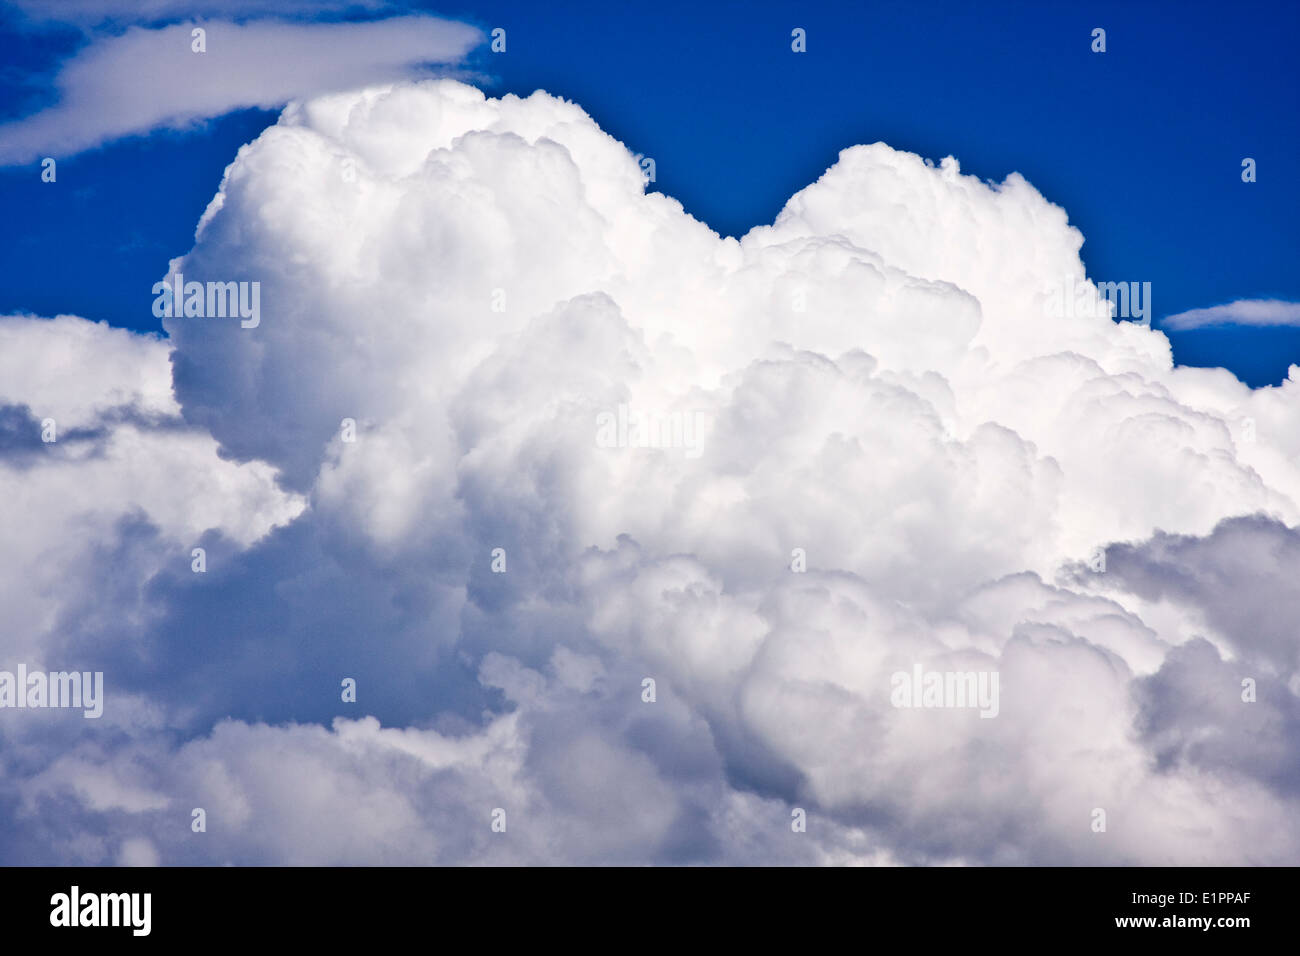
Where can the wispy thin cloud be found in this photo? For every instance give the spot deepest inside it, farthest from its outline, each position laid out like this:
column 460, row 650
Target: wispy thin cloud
column 1241, row 312
column 145, row 79
column 89, row 13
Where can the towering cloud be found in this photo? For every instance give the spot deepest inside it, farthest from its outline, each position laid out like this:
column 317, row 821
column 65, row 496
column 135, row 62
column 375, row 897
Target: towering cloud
column 622, row 528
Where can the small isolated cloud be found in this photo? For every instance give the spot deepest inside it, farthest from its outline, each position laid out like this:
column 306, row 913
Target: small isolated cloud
column 148, row 78
column 1241, row 312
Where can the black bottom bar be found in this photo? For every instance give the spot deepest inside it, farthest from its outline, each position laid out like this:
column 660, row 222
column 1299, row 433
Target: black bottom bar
column 611, row 907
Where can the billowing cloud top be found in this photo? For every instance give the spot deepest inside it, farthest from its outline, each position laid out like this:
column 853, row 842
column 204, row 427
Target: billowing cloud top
column 539, row 437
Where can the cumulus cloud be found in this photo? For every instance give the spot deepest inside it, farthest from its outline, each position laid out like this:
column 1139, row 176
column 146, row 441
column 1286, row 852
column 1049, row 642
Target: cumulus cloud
column 105, row 463
column 1262, row 312
column 146, row 78
column 633, row 526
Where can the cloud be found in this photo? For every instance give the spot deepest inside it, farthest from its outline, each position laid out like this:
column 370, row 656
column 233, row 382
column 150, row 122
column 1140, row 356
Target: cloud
column 144, row 79
column 903, row 458
column 123, row 486
column 98, row 12
column 1259, row 312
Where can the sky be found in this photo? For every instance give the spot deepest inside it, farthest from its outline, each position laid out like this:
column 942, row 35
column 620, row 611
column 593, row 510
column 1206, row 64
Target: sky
column 1142, row 145
column 491, row 503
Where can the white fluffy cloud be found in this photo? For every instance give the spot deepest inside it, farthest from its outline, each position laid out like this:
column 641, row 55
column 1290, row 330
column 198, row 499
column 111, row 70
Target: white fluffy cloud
column 119, row 455
column 878, row 381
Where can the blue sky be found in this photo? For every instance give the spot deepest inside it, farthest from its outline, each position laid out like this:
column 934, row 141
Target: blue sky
column 1142, row 145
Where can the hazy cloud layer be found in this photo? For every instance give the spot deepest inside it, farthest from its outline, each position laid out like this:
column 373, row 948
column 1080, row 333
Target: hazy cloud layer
column 876, row 384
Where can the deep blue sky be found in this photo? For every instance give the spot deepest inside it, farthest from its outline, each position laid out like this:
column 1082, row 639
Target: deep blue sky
column 1142, row 145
